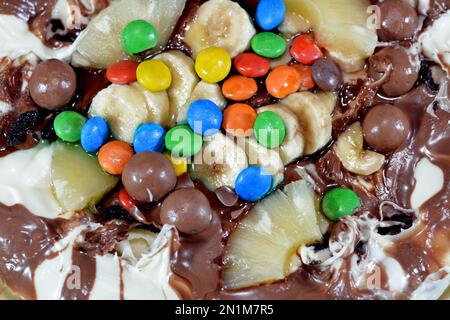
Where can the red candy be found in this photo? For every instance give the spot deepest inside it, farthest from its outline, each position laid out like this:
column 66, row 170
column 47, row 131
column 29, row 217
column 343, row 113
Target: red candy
column 305, row 50
column 126, row 201
column 251, row 65
column 122, row 72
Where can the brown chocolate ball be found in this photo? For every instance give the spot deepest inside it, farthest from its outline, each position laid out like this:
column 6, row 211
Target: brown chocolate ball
column 326, row 74
column 386, row 127
column 53, row 84
column 149, row 176
column 188, row 210
column 404, row 74
column 399, row 20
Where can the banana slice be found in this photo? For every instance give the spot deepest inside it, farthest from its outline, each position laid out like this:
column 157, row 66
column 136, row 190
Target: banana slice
column 184, row 80
column 124, row 107
column 349, row 149
column 329, row 99
column 293, row 145
column 157, row 103
column 221, row 162
column 220, row 23
column 294, row 24
column 100, row 46
column 265, row 158
column 314, row 118
column 203, row 90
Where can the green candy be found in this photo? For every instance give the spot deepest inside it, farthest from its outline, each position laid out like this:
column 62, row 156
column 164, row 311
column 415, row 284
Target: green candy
column 340, row 202
column 68, row 125
column 183, row 142
column 270, row 129
column 268, row 45
column 138, row 36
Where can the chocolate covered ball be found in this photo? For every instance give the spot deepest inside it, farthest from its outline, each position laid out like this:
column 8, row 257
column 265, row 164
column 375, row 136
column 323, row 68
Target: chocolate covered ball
column 53, row 84
column 399, row 20
column 386, row 127
column 327, row 74
column 149, row 176
column 188, row 210
column 404, row 74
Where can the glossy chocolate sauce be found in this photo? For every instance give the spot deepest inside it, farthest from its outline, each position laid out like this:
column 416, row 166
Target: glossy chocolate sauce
column 26, row 240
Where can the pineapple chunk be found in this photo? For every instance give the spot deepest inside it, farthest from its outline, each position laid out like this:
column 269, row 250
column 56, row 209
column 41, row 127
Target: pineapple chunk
column 77, row 179
column 342, row 27
column 264, row 246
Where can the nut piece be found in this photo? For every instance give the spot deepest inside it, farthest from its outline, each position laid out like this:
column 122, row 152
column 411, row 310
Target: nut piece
column 349, row 149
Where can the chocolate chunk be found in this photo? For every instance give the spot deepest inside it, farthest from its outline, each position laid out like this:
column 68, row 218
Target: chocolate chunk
column 403, row 74
column 227, row 196
column 188, row 210
column 399, row 20
column 53, row 84
column 386, row 127
column 149, row 176
column 326, row 74
column 18, row 131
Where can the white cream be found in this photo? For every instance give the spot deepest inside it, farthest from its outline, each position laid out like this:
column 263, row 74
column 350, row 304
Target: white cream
column 25, row 179
column 17, row 40
column 147, row 280
column 435, row 41
column 5, row 107
column 429, row 181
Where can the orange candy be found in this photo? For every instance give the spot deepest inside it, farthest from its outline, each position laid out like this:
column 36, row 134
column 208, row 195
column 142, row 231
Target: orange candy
column 114, row 155
column 282, row 81
column 239, row 88
column 306, row 79
column 238, row 119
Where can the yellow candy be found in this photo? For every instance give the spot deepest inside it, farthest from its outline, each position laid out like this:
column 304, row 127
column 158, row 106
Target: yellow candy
column 213, row 64
column 179, row 164
column 154, row 75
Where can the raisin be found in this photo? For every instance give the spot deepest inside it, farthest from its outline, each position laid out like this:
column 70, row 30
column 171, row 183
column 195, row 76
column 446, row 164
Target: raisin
column 18, row 131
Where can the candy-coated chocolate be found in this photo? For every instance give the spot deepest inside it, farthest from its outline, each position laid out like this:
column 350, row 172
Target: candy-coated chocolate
column 68, row 126
column 270, row 13
column 305, row 50
column 268, row 45
column 149, row 137
column 270, row 129
column 149, row 177
column 213, row 64
column 238, row 119
column 340, row 202
column 204, row 117
column 327, row 74
column 188, row 210
column 251, row 65
column 122, row 72
column 114, row 155
column 178, row 164
column 154, row 75
column 138, row 36
column 125, row 200
column 182, row 142
column 239, row 88
column 94, row 134
column 253, row 183
column 282, row 81
column 52, row 84
column 306, row 78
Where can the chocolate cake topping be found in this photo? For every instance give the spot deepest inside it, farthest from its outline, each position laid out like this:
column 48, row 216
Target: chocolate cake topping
column 401, row 68
column 53, row 84
column 399, row 20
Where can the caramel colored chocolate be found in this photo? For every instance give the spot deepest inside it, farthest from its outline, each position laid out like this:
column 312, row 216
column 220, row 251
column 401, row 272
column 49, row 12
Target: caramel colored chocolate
column 386, row 127
column 53, row 84
column 188, row 210
column 401, row 68
column 149, row 177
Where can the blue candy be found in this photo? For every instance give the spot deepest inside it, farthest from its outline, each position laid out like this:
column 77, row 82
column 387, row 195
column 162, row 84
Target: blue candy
column 204, row 117
column 94, row 134
column 253, row 184
column 149, row 137
column 270, row 13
